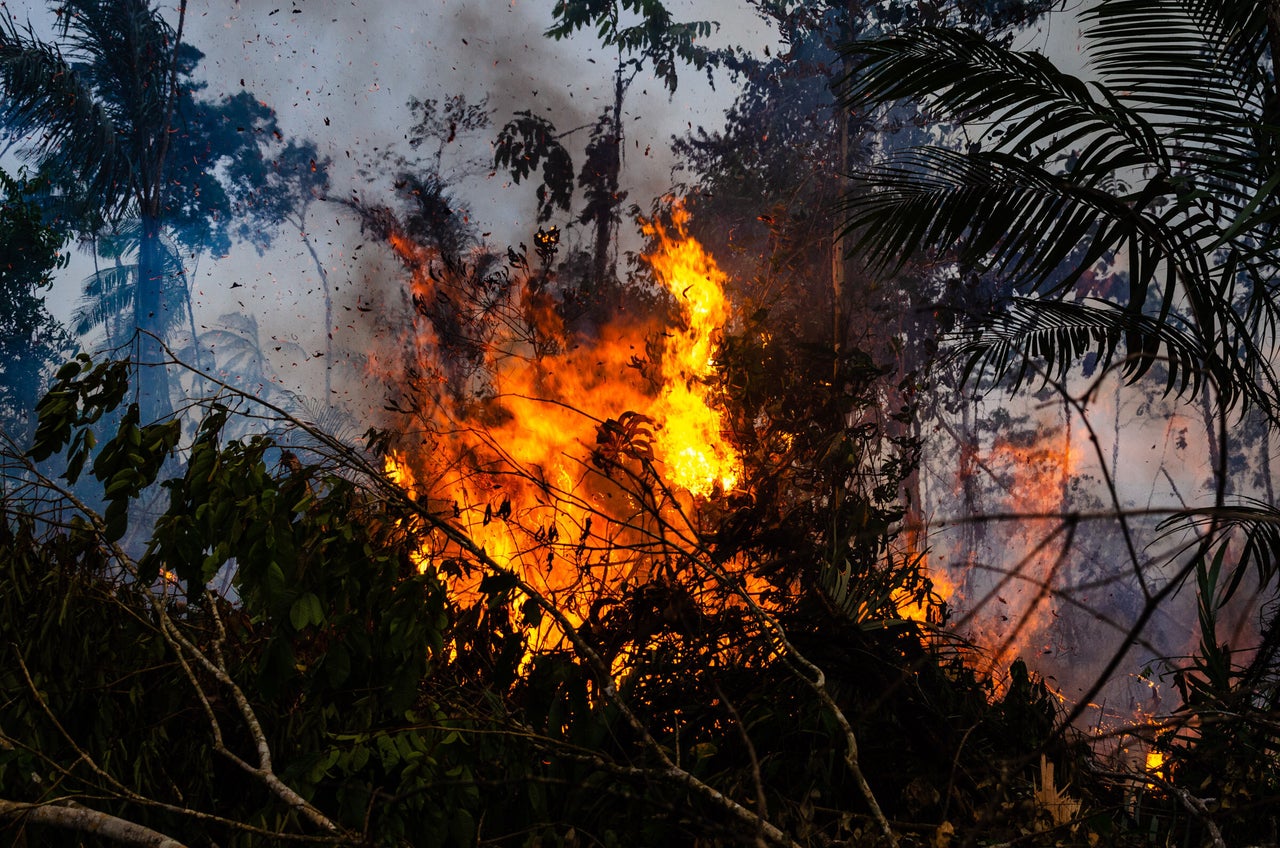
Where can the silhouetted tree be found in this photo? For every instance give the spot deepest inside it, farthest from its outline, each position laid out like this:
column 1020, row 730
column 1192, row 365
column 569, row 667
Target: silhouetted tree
column 109, row 109
column 31, row 340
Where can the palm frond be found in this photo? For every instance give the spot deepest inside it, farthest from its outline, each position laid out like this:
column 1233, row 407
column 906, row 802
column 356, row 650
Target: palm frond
column 1033, row 110
column 1254, row 523
column 233, row 353
column 1168, row 161
column 1199, row 71
column 121, row 239
column 111, row 292
column 108, row 295
column 50, row 102
column 127, row 48
column 1182, row 62
column 1001, row 214
column 328, row 419
column 1035, row 341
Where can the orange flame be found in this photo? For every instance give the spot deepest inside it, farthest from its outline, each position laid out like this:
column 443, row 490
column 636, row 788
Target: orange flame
column 924, row 609
column 1012, row 598
column 514, row 470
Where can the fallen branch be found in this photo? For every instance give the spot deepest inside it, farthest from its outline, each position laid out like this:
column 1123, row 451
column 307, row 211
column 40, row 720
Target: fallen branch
column 70, row 816
column 265, row 770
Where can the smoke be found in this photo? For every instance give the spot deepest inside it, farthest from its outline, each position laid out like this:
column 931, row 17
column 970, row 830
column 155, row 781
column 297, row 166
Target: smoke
column 340, row 73
column 1025, row 525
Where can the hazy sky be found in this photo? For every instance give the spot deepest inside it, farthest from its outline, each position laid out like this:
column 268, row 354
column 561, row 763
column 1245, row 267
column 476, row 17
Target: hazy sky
column 340, row 72
column 357, row 62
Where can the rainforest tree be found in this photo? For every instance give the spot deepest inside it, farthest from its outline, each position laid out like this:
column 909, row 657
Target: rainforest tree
column 109, row 111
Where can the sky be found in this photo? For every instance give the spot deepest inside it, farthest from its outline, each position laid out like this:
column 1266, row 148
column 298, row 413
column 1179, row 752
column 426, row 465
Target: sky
column 340, row 73
column 357, row 62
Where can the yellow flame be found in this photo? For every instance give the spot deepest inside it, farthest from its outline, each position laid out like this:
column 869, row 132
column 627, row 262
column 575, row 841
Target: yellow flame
column 691, row 441
column 1154, row 765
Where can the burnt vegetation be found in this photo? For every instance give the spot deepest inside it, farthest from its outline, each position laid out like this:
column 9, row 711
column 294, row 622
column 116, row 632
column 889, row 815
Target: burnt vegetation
column 606, row 571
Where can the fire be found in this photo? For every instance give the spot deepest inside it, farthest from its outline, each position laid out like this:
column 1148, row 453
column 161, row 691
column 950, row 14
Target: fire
column 691, row 440
column 926, row 610
column 913, row 606
column 521, row 466
column 1006, row 603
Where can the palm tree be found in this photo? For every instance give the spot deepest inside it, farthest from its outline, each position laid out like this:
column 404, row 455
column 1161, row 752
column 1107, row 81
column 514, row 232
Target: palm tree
column 1164, row 160
column 97, row 108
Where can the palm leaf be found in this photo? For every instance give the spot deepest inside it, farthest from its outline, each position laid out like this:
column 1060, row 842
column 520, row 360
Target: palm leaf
column 1041, row 340
column 1003, row 215
column 1184, row 63
column 99, row 110
column 234, row 353
column 122, row 239
column 1200, row 72
column 111, row 292
column 1256, row 524
column 1033, row 110
column 49, row 101
column 108, row 294
column 1169, row 160
column 127, row 48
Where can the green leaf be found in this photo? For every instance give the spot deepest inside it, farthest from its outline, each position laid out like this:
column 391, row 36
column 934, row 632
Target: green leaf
column 300, row 611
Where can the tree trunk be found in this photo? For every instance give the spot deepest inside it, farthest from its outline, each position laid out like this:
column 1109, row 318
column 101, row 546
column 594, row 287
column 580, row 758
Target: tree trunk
column 838, row 248
column 150, row 320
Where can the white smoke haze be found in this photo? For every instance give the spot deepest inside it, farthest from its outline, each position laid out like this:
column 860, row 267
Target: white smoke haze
column 1060, row 593
column 341, row 72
